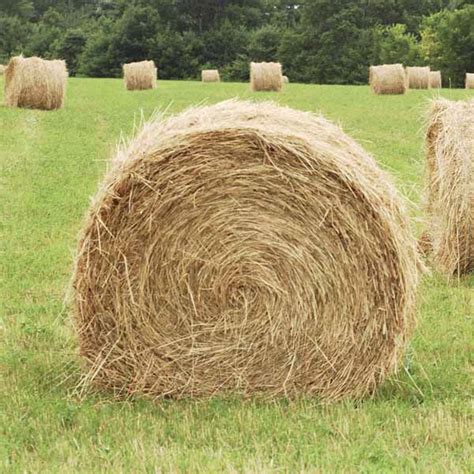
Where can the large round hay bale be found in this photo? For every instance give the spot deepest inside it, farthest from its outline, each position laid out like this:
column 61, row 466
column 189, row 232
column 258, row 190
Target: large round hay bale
column 387, row 79
column 435, row 80
column 244, row 248
column 140, row 75
column 450, row 185
column 418, row 77
column 266, row 77
column 35, row 83
column 469, row 80
column 210, row 75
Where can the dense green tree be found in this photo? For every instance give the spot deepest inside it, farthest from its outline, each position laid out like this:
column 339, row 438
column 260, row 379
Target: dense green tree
column 263, row 44
column 448, row 43
column 326, row 41
column 14, row 36
column 49, row 30
column 97, row 58
column 20, row 8
column 70, row 47
column 392, row 44
column 335, row 39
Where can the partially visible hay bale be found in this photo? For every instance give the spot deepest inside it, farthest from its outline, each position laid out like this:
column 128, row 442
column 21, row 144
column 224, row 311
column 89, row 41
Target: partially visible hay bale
column 285, row 80
column 245, row 248
column 435, row 80
column 469, row 80
column 266, row 77
column 35, row 83
column 210, row 75
column 387, row 79
column 418, row 77
column 2, row 68
column 140, row 75
column 450, row 185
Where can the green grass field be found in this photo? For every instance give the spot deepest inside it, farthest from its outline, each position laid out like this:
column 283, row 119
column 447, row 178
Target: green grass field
column 421, row 419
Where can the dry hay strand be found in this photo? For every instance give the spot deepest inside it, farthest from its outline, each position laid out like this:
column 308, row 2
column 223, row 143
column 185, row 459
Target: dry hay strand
column 469, row 80
column 425, row 246
column 285, row 80
column 35, row 83
column 266, row 77
column 418, row 77
column 435, row 80
column 140, row 75
column 450, row 185
column 244, row 248
column 210, row 75
column 387, row 79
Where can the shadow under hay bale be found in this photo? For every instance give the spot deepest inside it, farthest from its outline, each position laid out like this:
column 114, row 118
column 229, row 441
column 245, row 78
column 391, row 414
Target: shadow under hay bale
column 210, row 75
column 435, row 80
column 388, row 79
column 140, row 75
column 266, row 77
column 418, row 77
column 244, row 248
column 35, row 83
column 469, row 83
column 450, row 185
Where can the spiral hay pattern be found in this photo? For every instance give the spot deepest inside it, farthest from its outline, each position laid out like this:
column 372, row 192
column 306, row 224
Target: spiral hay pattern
column 210, row 75
column 450, row 185
column 35, row 83
column 388, row 79
column 244, row 248
column 418, row 77
column 266, row 77
column 140, row 75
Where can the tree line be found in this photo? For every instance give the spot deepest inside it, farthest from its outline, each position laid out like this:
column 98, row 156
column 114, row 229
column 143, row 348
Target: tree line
column 317, row 41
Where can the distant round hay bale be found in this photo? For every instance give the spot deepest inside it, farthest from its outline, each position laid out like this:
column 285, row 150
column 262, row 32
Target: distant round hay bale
column 469, row 80
column 450, row 185
column 35, row 83
column 266, row 77
column 244, row 248
column 435, row 80
column 210, row 75
column 140, row 75
column 2, row 69
column 418, row 77
column 285, row 80
column 387, row 79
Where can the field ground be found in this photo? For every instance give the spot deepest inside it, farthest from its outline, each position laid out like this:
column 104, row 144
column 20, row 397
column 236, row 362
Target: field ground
column 421, row 419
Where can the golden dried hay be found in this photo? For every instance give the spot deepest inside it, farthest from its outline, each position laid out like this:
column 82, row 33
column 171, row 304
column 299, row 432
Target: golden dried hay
column 35, row 83
column 418, row 77
column 244, row 248
column 469, row 80
column 140, row 75
column 450, row 185
column 387, row 79
column 210, row 75
column 285, row 80
column 266, row 77
column 435, row 80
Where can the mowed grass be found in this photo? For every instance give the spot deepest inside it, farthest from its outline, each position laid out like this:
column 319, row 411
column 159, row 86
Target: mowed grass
column 420, row 420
